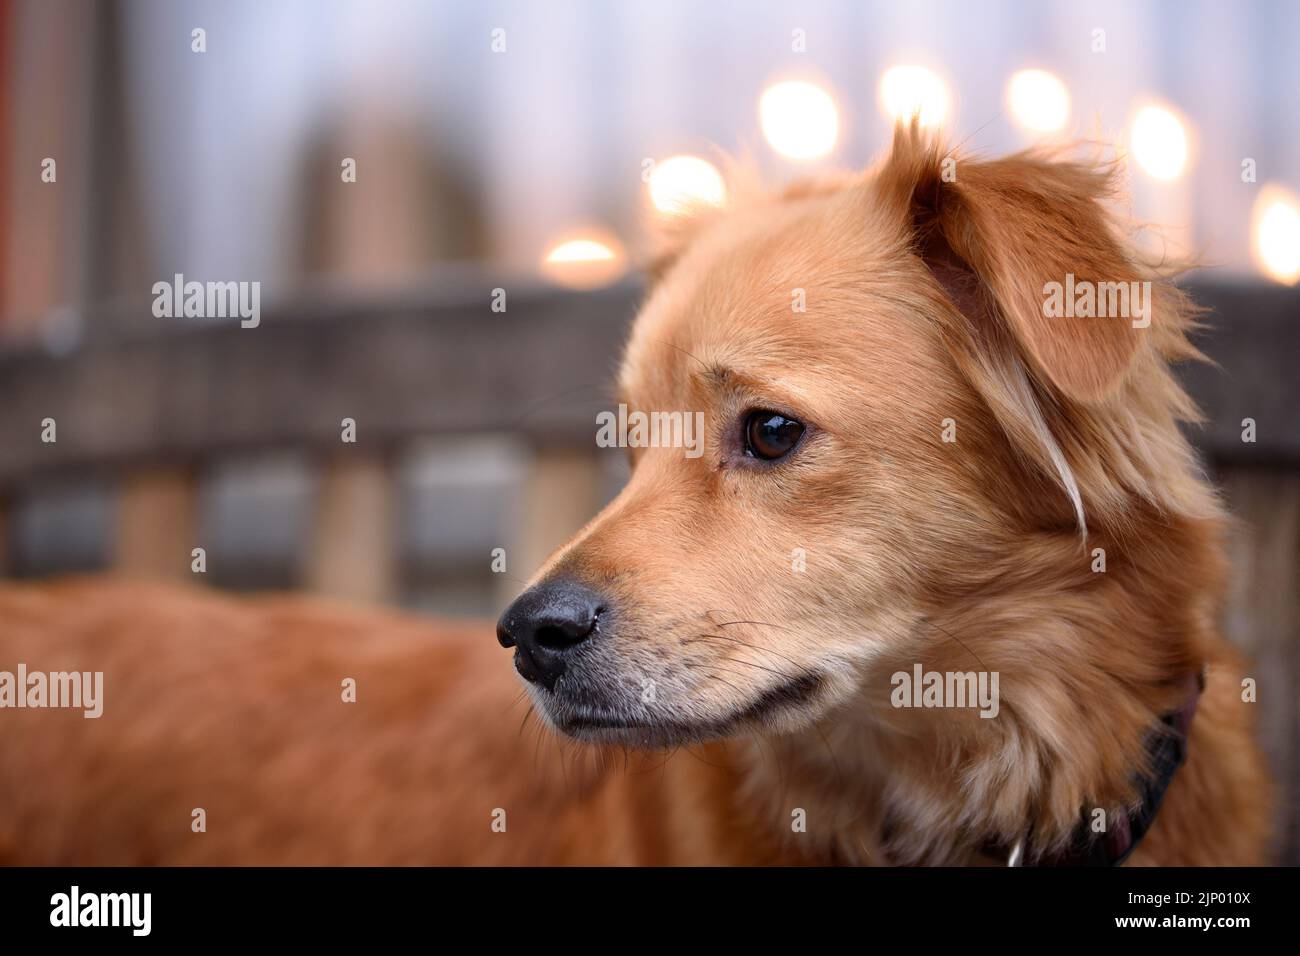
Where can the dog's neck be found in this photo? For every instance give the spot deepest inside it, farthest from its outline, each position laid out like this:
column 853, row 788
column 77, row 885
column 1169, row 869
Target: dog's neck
column 1086, row 668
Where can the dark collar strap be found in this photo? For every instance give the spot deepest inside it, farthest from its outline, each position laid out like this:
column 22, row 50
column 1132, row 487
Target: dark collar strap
column 1166, row 750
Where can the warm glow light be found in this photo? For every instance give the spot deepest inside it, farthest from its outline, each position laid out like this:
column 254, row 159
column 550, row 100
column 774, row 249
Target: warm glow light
column 585, row 261
column 682, row 182
column 1275, row 234
column 1038, row 100
column 799, row 119
column 1159, row 142
column 907, row 91
column 580, row 250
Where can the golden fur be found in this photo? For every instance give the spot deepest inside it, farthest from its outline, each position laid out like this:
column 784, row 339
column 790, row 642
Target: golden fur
column 923, row 305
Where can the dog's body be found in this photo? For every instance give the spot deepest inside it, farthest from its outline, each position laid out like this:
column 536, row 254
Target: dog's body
column 921, row 470
column 236, row 707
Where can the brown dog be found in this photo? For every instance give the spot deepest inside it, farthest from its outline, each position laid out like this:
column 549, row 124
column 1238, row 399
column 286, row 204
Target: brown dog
column 922, row 473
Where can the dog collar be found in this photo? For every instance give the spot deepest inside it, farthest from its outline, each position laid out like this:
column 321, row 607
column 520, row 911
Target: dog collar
column 1166, row 751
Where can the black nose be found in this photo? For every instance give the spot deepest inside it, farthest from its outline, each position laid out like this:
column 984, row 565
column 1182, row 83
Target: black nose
column 546, row 625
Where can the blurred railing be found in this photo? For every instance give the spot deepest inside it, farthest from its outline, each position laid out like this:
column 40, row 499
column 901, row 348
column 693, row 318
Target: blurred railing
column 149, row 404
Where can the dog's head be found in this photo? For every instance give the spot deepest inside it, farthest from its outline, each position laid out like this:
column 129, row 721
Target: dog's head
column 888, row 412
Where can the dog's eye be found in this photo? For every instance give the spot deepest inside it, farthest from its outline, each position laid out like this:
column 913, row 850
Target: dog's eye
column 770, row 435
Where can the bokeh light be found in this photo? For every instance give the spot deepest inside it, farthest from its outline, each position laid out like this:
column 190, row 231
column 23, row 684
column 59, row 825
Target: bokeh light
column 585, row 260
column 1275, row 234
column 1038, row 100
column 907, row 91
column 1159, row 142
column 799, row 119
column 681, row 183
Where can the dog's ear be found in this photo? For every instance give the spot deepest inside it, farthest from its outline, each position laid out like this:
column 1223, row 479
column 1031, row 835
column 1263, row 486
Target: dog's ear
column 996, row 233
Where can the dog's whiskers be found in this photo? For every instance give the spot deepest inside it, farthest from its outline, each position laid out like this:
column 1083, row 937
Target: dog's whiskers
column 732, row 660
column 752, row 647
column 524, row 723
column 723, row 680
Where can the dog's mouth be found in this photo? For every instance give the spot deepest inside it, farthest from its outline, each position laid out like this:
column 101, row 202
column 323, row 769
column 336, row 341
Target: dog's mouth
column 652, row 730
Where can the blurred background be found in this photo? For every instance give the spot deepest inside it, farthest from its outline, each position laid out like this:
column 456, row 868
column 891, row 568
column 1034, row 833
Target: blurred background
column 444, row 205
